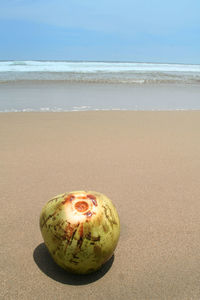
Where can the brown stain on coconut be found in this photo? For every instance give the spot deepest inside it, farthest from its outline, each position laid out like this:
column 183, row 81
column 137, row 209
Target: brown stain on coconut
column 93, row 198
column 68, row 199
column 81, row 206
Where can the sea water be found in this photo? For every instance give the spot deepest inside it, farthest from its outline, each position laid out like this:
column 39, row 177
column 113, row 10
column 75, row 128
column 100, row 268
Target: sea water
column 117, row 72
column 69, row 86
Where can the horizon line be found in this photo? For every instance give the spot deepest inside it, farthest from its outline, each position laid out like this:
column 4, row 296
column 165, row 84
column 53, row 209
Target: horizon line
column 97, row 61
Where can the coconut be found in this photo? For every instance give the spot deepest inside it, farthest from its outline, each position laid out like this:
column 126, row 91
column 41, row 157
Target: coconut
column 80, row 229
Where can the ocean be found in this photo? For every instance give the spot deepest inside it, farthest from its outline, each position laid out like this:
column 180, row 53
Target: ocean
column 77, row 86
column 109, row 72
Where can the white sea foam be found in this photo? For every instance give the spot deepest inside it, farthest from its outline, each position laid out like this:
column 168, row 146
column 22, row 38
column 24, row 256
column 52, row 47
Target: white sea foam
column 25, row 110
column 93, row 67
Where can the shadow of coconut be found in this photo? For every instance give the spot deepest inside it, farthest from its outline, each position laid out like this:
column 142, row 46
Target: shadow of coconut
column 47, row 265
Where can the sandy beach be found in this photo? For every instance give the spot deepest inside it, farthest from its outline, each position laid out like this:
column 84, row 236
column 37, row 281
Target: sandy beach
column 148, row 163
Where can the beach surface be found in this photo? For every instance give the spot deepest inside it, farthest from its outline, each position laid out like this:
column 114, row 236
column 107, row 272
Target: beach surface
column 148, row 163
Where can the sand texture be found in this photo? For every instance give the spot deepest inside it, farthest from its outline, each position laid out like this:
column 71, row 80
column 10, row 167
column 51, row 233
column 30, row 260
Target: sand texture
column 148, row 163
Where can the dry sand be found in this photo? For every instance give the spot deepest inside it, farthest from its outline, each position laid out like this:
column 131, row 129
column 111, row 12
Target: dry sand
column 148, row 163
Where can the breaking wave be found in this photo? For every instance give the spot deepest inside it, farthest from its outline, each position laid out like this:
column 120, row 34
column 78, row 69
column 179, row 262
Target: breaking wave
column 103, row 72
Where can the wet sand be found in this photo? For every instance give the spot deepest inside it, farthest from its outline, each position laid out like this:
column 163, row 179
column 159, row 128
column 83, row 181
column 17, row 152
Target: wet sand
column 148, row 163
column 59, row 96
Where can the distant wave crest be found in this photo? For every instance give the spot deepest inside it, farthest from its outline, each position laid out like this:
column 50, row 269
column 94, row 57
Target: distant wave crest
column 93, row 67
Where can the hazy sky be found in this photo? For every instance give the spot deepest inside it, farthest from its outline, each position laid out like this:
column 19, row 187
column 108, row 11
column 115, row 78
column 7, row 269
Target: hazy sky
column 127, row 30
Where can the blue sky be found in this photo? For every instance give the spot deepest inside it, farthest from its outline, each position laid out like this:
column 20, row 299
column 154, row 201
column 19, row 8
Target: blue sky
column 128, row 30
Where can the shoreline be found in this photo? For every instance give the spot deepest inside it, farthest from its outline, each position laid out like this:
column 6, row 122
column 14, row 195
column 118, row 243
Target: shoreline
column 135, row 82
column 59, row 96
column 97, row 110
